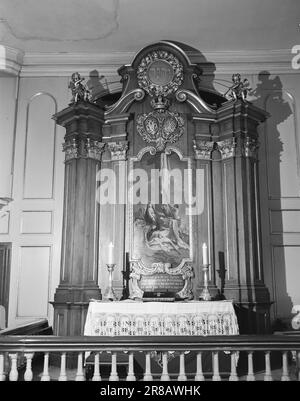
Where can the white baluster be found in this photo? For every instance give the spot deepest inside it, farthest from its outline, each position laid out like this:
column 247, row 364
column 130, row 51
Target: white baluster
column 216, row 375
column 45, row 376
column 182, row 375
column 113, row 374
column 199, row 374
column 298, row 365
column 130, row 377
column 285, row 372
column 79, row 375
column 97, row 376
column 267, row 376
column 148, row 376
column 250, row 375
column 233, row 375
column 28, row 375
column 13, row 374
column 62, row 375
column 2, row 375
column 165, row 375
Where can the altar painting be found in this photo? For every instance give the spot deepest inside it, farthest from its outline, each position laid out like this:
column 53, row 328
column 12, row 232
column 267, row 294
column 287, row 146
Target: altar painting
column 161, row 231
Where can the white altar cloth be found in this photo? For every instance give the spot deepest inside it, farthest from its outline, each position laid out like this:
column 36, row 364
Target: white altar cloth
column 195, row 318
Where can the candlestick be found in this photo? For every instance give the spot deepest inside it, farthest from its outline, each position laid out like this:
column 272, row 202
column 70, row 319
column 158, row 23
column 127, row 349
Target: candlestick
column 204, row 254
column 109, row 293
column 110, row 259
column 205, row 295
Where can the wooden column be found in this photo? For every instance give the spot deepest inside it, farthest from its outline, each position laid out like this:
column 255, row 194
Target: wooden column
column 79, row 252
column 238, row 145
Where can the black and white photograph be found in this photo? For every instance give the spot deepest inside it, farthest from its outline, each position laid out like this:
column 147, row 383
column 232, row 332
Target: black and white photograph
column 150, row 196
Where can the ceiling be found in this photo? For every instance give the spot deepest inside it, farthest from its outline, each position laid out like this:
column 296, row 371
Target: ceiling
column 128, row 25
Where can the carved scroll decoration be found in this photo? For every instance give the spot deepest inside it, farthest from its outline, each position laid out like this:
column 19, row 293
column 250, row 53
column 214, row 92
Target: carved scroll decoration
column 167, row 67
column 160, row 127
column 138, row 269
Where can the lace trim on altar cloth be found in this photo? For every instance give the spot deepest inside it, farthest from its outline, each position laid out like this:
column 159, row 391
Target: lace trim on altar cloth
column 203, row 324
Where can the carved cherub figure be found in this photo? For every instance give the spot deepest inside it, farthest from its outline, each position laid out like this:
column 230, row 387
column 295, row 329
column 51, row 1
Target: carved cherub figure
column 239, row 89
column 79, row 89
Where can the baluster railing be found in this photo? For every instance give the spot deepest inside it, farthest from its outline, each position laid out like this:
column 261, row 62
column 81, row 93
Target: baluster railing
column 216, row 373
column 96, row 376
column 147, row 375
column 130, row 376
column 63, row 375
column 20, row 348
column 285, row 372
column 250, row 375
column 2, row 375
column 113, row 373
column 45, row 376
column 182, row 375
column 298, row 365
column 13, row 374
column 199, row 373
column 79, row 375
column 233, row 359
column 165, row 375
column 28, row 375
column 267, row 376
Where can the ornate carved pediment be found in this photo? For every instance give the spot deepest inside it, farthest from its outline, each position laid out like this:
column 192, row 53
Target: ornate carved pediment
column 160, row 73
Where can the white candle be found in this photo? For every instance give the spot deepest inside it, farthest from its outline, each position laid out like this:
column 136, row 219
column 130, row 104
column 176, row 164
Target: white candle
column 204, row 254
column 110, row 254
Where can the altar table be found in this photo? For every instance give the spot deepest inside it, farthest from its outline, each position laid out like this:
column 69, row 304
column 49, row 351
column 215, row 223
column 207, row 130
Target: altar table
column 132, row 318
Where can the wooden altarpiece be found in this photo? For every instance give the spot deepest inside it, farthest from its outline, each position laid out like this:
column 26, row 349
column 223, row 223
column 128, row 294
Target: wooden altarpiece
column 166, row 121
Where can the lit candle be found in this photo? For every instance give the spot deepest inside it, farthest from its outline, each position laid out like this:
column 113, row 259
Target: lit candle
column 111, row 253
column 204, row 254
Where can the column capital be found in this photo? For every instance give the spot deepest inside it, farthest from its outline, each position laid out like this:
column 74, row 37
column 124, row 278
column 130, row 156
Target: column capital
column 118, row 150
column 87, row 148
column 203, row 149
column 250, row 147
column 227, row 148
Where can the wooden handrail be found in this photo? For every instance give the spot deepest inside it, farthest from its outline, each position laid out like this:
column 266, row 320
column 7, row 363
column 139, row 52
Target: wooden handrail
column 159, row 343
column 30, row 328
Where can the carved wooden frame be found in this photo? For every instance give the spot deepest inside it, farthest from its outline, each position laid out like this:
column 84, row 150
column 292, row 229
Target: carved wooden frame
column 185, row 269
column 137, row 266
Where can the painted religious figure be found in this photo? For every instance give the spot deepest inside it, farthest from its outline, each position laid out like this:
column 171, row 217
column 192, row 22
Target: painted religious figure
column 161, row 230
column 161, row 233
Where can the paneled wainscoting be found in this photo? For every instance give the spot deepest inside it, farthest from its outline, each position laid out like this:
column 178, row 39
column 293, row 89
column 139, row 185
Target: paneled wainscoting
column 249, row 358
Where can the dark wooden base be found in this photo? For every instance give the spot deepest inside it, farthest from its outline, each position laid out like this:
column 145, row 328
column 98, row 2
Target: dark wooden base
column 253, row 318
column 70, row 309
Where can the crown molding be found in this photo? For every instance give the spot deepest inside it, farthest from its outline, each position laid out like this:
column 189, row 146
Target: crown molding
column 243, row 61
column 64, row 64
column 11, row 60
column 252, row 61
